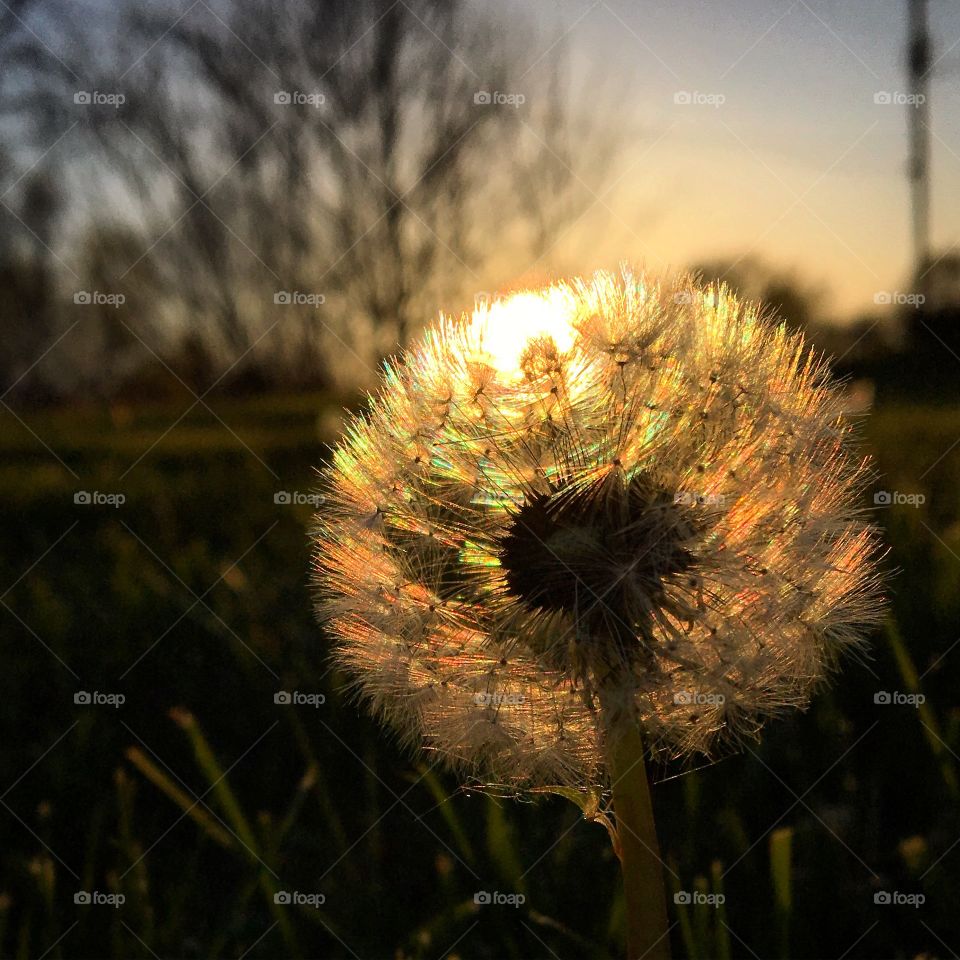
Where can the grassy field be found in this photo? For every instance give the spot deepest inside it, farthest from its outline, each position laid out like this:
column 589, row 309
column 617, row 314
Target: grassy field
column 203, row 802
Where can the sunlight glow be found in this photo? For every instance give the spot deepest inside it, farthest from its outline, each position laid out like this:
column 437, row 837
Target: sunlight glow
column 504, row 328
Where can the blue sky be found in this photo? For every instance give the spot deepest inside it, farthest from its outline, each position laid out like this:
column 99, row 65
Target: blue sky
column 786, row 156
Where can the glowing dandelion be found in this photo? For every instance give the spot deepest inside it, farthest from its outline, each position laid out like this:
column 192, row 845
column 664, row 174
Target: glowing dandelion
column 609, row 507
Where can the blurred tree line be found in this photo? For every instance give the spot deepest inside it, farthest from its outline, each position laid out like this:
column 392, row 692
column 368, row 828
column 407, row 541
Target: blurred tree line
column 907, row 348
column 244, row 195
column 249, row 194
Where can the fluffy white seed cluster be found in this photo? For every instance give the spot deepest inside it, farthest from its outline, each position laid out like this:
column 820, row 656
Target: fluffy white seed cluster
column 620, row 489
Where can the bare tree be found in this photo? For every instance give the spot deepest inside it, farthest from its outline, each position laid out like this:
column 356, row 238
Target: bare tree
column 27, row 283
column 786, row 295
column 299, row 184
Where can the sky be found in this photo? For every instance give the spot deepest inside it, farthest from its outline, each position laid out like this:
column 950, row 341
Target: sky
column 781, row 151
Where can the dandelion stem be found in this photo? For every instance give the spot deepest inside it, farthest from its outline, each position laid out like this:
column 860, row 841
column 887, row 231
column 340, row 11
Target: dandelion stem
column 647, row 931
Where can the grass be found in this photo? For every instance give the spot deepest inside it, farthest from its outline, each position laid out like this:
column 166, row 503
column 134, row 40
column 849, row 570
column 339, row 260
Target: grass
column 200, row 799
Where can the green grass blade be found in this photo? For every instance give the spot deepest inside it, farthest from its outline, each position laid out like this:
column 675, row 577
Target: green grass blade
column 448, row 812
column 721, row 930
column 236, row 818
column 928, row 719
column 682, row 913
column 781, row 874
column 502, row 845
column 196, row 811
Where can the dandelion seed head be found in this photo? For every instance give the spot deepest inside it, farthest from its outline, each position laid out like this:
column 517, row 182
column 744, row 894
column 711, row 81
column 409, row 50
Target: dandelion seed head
column 624, row 486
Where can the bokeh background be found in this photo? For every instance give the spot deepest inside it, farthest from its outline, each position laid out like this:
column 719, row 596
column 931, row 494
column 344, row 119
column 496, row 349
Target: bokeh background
column 216, row 220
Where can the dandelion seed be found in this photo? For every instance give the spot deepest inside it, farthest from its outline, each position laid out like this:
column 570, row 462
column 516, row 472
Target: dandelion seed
column 613, row 481
column 615, row 500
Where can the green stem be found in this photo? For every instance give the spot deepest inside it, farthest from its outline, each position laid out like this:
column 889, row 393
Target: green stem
column 647, row 930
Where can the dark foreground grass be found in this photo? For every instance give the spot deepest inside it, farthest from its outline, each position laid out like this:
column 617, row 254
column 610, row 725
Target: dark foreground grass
column 207, row 805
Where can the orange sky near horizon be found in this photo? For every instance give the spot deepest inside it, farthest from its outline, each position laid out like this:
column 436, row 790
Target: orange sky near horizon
column 755, row 130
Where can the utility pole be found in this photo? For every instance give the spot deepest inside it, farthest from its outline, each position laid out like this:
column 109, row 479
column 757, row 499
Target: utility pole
column 918, row 111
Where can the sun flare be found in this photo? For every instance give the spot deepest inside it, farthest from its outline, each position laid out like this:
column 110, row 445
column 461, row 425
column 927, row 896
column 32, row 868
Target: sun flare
column 504, row 329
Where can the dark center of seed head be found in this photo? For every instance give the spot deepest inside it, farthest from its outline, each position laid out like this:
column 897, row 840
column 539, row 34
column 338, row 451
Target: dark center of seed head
column 600, row 556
